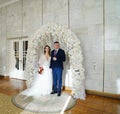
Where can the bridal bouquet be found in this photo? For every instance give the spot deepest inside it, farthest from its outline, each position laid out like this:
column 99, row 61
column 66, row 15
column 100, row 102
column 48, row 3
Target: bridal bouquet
column 40, row 70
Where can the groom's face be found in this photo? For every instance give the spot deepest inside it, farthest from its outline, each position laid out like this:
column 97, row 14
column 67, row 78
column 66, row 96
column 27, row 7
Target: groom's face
column 56, row 45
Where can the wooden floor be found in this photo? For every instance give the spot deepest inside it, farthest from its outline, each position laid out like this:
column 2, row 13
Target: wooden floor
column 92, row 105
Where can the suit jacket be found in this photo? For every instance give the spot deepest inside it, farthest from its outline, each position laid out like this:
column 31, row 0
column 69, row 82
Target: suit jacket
column 60, row 59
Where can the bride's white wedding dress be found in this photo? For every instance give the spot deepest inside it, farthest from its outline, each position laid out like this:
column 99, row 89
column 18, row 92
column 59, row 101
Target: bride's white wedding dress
column 42, row 85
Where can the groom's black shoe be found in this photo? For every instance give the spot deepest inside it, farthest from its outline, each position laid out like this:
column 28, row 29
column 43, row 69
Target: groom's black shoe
column 59, row 94
column 53, row 92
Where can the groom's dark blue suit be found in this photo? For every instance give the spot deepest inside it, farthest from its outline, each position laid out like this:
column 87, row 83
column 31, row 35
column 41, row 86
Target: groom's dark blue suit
column 57, row 68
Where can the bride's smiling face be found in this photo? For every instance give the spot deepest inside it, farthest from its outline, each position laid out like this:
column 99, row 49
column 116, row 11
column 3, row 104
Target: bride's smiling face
column 47, row 49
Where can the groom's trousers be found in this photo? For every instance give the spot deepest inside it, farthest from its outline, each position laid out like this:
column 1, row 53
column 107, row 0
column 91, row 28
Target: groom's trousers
column 57, row 79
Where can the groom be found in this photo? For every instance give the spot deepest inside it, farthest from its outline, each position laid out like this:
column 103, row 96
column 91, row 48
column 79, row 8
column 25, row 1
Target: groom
column 56, row 63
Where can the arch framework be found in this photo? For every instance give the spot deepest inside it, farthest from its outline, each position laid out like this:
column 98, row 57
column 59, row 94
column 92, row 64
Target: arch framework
column 47, row 34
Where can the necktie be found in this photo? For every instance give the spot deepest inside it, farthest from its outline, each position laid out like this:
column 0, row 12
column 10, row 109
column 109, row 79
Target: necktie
column 55, row 52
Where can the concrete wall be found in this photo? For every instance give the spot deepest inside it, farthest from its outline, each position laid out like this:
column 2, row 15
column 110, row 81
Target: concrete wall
column 88, row 25
column 112, row 46
column 96, row 23
column 3, row 45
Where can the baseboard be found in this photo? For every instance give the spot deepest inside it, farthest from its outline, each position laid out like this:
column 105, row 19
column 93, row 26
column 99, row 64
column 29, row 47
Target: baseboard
column 8, row 77
column 4, row 77
column 104, row 94
column 67, row 88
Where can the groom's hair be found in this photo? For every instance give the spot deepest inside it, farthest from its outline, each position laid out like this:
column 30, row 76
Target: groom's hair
column 56, row 42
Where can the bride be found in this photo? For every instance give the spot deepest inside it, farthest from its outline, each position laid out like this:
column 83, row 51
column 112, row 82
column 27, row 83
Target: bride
column 42, row 85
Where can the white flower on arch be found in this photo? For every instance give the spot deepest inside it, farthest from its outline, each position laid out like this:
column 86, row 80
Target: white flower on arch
column 69, row 42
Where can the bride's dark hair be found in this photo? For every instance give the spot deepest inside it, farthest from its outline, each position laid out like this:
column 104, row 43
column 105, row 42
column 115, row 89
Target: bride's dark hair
column 49, row 49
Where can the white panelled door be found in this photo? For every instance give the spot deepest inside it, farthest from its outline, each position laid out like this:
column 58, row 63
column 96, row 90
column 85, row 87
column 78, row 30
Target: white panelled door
column 17, row 51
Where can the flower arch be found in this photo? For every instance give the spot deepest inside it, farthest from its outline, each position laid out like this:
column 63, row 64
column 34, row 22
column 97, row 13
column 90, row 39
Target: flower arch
column 47, row 34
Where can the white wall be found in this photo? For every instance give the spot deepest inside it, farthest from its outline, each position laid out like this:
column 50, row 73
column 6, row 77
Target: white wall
column 96, row 26
column 14, row 19
column 88, row 25
column 32, row 16
column 3, row 55
column 112, row 46
column 55, row 11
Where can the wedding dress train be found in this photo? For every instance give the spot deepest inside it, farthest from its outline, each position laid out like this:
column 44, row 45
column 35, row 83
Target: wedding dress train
column 42, row 85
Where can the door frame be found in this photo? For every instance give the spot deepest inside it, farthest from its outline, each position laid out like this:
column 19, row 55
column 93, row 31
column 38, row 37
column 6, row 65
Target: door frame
column 11, row 70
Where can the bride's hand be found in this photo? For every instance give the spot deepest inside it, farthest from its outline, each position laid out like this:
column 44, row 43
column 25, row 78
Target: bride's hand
column 41, row 69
